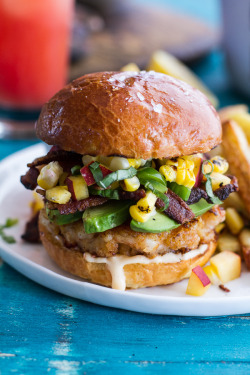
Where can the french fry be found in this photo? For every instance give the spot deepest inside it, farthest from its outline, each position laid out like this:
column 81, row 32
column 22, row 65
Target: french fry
column 131, row 67
column 227, row 112
column 244, row 238
column 236, row 150
column 228, row 242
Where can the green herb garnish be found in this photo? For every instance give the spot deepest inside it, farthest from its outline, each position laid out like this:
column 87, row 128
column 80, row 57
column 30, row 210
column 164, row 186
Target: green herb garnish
column 208, row 184
column 119, row 175
column 107, row 193
column 160, row 195
column 8, row 224
column 96, row 171
column 76, row 170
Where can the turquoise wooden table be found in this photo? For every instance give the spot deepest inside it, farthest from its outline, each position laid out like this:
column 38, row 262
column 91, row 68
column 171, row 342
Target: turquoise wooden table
column 44, row 332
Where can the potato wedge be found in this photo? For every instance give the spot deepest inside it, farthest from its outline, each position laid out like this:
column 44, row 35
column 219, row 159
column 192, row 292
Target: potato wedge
column 236, row 150
column 244, row 238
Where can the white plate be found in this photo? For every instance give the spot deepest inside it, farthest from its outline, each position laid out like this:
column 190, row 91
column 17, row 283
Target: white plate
column 33, row 262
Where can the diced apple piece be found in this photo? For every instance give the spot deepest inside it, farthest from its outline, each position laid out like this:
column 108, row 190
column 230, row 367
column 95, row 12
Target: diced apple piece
column 212, row 275
column 227, row 266
column 88, row 176
column 49, row 175
column 58, row 194
column 228, row 242
column 234, row 221
column 197, row 171
column 77, row 187
column 198, row 283
column 244, row 238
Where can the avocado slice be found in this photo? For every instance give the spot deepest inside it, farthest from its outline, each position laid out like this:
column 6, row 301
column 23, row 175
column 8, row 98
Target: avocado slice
column 57, row 218
column 162, row 223
column 183, row 191
column 107, row 216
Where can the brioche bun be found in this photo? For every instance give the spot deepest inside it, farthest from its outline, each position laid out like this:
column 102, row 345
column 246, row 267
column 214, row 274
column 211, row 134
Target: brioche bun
column 137, row 115
column 137, row 275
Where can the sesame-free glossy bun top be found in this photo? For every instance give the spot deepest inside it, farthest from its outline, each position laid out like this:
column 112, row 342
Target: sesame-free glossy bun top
column 138, row 115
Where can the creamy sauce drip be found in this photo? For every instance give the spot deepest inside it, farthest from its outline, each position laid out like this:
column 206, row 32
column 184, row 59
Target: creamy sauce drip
column 116, row 263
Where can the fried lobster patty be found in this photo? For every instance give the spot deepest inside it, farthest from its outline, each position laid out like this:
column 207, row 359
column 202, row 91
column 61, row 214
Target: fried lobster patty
column 123, row 240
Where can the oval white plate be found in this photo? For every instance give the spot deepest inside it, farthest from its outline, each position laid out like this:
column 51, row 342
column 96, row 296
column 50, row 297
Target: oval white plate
column 33, row 262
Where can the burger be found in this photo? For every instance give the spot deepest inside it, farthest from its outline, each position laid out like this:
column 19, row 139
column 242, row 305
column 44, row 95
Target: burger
column 131, row 196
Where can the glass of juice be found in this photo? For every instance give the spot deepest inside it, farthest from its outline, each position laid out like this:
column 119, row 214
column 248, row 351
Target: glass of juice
column 34, row 53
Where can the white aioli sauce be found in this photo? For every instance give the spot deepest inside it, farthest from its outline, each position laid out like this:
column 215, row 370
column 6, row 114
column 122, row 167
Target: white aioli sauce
column 116, row 263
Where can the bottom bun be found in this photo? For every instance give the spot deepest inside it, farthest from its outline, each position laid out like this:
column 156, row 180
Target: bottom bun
column 136, row 275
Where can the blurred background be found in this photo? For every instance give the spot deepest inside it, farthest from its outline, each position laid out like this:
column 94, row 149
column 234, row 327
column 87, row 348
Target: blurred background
column 46, row 43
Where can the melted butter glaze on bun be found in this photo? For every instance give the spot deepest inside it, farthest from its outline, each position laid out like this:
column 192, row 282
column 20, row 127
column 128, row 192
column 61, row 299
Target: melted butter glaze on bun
column 137, row 115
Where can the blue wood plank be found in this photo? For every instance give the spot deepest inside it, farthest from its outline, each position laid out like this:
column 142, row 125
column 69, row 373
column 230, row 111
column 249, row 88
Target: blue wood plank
column 63, row 334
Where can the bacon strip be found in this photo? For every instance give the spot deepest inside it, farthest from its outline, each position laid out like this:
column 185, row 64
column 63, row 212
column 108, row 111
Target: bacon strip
column 31, row 233
column 73, row 206
column 29, row 180
column 222, row 193
column 177, row 210
column 132, row 195
column 58, row 155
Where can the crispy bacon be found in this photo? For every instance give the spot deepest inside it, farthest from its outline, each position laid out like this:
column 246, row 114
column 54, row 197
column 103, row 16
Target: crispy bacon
column 57, row 155
column 222, row 193
column 31, row 233
column 73, row 206
column 29, row 180
column 132, row 195
column 177, row 210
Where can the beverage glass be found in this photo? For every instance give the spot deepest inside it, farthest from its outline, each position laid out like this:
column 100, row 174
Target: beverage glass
column 34, row 51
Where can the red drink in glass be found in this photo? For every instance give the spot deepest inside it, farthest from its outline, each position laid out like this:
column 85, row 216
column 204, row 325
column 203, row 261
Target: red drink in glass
column 34, row 50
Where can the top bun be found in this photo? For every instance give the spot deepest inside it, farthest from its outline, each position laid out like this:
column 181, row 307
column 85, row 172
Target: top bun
column 137, row 115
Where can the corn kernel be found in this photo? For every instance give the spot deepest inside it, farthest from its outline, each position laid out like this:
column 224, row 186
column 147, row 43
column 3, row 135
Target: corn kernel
column 141, row 216
column 181, row 171
column 147, row 203
column 49, row 175
column 190, row 179
column 219, row 180
column 131, row 184
column 173, row 162
column 37, row 204
column 168, row 172
column 58, row 194
column 220, row 164
column 136, row 163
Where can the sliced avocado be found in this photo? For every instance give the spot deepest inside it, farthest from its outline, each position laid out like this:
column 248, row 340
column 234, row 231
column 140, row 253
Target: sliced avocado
column 57, row 218
column 183, row 191
column 107, row 216
column 162, row 223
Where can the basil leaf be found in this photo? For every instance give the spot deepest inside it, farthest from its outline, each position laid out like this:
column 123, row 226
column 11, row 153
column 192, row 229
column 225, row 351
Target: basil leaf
column 8, row 223
column 96, row 171
column 208, row 184
column 119, row 175
column 160, row 195
column 76, row 170
column 107, row 193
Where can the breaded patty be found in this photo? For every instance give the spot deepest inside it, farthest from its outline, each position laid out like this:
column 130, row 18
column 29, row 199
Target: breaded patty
column 123, row 240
